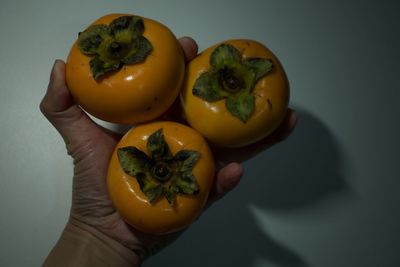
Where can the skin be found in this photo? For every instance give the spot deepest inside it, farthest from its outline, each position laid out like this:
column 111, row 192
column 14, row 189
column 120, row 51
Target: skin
column 217, row 124
column 160, row 217
column 91, row 147
column 137, row 92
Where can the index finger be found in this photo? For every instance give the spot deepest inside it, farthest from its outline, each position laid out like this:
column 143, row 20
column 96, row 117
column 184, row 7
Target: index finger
column 189, row 47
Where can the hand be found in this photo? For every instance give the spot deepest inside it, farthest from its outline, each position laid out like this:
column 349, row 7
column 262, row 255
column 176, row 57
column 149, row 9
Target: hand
column 91, row 146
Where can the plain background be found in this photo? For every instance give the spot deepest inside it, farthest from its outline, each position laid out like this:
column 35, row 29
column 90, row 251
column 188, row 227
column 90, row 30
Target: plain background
column 328, row 196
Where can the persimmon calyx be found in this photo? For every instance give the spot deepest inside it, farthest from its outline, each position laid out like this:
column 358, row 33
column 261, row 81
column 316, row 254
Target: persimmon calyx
column 232, row 78
column 160, row 173
column 111, row 46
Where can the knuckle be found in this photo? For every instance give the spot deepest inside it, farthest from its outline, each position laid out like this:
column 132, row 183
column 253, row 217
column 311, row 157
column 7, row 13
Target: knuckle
column 44, row 106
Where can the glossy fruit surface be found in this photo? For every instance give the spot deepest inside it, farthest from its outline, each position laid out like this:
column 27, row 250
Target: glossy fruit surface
column 235, row 93
column 125, row 69
column 160, row 175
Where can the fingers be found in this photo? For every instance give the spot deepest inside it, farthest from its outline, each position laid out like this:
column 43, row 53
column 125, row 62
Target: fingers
column 226, row 180
column 189, row 47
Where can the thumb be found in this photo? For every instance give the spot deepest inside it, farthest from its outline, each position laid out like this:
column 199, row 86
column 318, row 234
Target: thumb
column 59, row 107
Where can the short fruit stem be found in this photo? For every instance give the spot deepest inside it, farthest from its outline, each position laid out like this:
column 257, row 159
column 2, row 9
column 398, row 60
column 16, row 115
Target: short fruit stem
column 161, row 172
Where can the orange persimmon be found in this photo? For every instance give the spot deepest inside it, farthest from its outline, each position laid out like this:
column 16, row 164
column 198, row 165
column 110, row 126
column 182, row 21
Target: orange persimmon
column 235, row 93
column 125, row 69
column 160, row 175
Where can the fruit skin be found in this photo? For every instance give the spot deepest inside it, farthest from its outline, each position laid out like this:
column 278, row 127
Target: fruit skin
column 160, row 217
column 215, row 122
column 135, row 93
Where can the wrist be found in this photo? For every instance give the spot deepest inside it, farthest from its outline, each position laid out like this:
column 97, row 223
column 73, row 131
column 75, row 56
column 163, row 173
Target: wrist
column 82, row 245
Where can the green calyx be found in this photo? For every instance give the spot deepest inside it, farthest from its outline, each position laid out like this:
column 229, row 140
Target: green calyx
column 161, row 174
column 111, row 46
column 232, row 78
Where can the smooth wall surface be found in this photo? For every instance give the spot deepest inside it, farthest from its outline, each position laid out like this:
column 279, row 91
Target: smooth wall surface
column 328, row 196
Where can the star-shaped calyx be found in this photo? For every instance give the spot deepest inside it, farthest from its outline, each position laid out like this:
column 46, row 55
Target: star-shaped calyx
column 232, row 78
column 159, row 173
column 114, row 45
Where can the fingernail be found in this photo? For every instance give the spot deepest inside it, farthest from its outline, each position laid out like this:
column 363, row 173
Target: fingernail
column 52, row 73
column 237, row 168
column 236, row 173
column 293, row 119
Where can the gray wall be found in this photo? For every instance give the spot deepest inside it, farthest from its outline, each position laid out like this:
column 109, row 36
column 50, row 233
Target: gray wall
column 328, row 196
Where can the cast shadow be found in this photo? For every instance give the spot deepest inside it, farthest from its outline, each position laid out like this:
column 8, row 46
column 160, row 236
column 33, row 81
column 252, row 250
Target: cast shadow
column 299, row 172
column 296, row 174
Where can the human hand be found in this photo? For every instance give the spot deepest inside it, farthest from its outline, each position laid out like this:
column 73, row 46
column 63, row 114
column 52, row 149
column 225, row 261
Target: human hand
column 90, row 145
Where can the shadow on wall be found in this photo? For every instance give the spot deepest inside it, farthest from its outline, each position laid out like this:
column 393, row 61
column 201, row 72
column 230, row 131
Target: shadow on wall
column 302, row 171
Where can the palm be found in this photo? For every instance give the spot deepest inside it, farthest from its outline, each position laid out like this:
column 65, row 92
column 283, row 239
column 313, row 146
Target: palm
column 91, row 203
column 91, row 154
